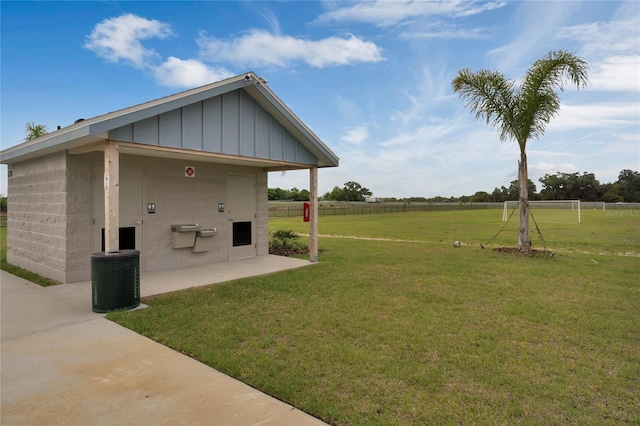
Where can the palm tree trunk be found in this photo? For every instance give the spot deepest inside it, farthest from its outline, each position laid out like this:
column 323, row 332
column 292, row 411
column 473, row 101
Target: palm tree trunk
column 524, row 244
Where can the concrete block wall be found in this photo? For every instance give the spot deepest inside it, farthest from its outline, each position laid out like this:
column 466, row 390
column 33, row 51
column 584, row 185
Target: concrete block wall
column 50, row 219
column 36, row 218
column 183, row 200
column 263, row 213
column 79, row 219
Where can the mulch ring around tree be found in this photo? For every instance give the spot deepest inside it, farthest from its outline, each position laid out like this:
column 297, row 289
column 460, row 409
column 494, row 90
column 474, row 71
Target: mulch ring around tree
column 533, row 253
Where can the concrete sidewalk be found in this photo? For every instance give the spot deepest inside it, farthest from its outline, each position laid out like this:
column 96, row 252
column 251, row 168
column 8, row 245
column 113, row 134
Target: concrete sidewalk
column 62, row 364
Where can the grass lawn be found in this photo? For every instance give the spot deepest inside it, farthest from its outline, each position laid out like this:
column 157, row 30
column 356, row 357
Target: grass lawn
column 398, row 327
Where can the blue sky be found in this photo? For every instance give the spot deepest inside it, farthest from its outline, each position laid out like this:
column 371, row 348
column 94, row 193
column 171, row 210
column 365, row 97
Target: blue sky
column 371, row 79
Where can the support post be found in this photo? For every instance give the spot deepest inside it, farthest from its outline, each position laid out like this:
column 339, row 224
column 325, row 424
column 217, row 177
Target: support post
column 111, row 197
column 313, row 214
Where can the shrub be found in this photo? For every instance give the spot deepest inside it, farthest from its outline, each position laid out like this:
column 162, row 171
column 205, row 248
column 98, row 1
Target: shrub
column 283, row 242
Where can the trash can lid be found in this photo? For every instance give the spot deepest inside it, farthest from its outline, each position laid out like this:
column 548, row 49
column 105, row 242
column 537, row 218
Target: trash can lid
column 120, row 254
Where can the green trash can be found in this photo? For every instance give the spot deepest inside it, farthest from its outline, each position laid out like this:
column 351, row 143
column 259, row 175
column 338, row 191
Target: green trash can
column 115, row 280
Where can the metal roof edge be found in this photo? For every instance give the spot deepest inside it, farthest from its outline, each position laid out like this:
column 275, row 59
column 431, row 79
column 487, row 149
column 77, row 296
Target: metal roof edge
column 112, row 120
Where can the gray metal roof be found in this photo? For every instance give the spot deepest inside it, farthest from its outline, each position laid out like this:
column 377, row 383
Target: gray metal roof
column 93, row 130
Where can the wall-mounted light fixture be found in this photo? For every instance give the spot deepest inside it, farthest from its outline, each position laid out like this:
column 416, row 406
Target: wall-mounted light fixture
column 221, row 207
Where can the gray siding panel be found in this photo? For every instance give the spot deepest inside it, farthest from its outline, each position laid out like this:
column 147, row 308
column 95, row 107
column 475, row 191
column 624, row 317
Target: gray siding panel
column 171, row 128
column 247, row 125
column 230, row 123
column 289, row 147
column 146, row 131
column 263, row 124
column 212, row 125
column 124, row 133
column 192, row 126
column 303, row 155
column 276, row 140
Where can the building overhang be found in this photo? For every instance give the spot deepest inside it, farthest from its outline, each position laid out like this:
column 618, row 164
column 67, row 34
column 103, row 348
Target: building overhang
column 95, row 131
column 188, row 155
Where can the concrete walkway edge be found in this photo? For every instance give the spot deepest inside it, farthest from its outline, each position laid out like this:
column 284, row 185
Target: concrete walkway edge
column 62, row 364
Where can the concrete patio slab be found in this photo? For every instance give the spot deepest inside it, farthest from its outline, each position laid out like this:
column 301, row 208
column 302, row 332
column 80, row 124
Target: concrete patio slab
column 62, row 364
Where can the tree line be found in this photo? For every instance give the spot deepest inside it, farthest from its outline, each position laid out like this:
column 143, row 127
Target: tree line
column 558, row 186
column 570, row 186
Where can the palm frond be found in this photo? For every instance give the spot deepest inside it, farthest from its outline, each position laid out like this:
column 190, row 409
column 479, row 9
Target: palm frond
column 34, row 131
column 538, row 100
column 491, row 97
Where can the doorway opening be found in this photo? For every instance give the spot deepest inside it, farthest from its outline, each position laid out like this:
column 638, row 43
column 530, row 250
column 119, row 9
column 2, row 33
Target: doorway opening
column 127, row 237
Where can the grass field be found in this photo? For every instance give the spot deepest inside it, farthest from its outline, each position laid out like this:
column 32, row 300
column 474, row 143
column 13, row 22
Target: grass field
column 396, row 326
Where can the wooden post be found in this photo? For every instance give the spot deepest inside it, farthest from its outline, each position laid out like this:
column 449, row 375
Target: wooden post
column 313, row 214
column 111, row 197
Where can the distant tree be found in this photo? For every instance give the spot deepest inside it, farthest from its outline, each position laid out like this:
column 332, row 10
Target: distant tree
column 499, row 195
column 521, row 113
column 275, row 194
column 3, row 203
column 439, row 199
column 355, row 192
column 629, row 185
column 352, row 191
column 34, row 131
column 413, row 200
column 502, row 194
column 294, row 194
column 570, row 186
column 480, row 197
column 336, row 194
column 299, row 195
column 612, row 197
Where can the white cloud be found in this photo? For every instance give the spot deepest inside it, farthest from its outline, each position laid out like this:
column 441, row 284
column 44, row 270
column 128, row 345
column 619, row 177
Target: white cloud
column 620, row 36
column 530, row 34
column 613, row 52
column 447, row 33
column 616, row 73
column 431, row 86
column 261, row 48
column 541, row 169
column 598, row 115
column 355, row 135
column 387, row 13
column 175, row 72
column 119, row 38
column 349, row 109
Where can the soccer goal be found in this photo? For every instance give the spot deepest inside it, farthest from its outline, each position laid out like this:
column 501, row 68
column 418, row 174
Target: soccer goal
column 551, row 210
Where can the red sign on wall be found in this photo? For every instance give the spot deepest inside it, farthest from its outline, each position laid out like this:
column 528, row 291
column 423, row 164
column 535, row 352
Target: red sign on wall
column 189, row 171
column 306, row 207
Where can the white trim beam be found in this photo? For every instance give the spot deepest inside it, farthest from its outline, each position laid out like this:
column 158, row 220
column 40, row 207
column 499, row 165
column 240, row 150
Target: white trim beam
column 313, row 214
column 111, row 197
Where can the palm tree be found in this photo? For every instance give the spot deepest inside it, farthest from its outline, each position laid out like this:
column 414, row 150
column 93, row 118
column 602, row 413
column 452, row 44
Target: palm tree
column 34, row 131
column 521, row 112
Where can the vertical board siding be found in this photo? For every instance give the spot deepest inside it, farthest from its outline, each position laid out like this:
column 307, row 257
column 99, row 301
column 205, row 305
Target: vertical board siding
column 170, row 128
column 276, row 137
column 124, row 133
column 303, row 155
column 212, row 125
column 289, row 147
column 247, row 134
column 232, row 123
column 192, row 126
column 146, row 131
column 263, row 124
